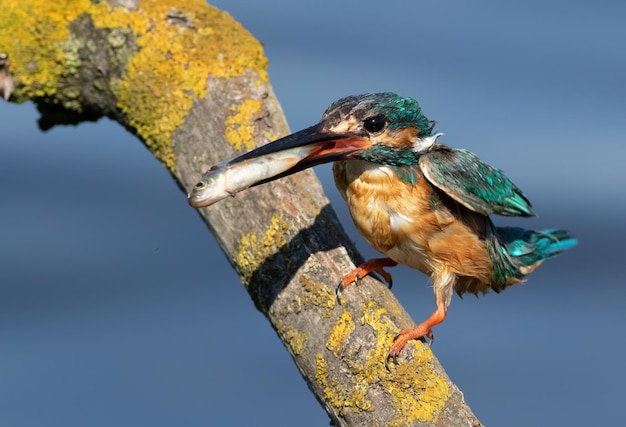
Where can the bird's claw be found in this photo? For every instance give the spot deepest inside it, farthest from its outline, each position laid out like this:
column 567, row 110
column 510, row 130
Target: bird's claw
column 339, row 290
column 353, row 278
column 398, row 344
column 400, row 341
column 431, row 339
column 372, row 266
column 342, row 285
column 390, row 356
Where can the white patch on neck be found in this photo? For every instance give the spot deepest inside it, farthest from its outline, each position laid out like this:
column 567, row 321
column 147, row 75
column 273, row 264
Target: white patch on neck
column 423, row 144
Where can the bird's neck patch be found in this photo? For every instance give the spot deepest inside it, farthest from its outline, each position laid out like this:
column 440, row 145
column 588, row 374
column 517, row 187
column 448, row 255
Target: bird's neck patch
column 390, row 156
column 403, row 161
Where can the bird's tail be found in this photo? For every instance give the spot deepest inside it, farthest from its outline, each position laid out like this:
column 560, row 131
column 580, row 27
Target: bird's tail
column 520, row 251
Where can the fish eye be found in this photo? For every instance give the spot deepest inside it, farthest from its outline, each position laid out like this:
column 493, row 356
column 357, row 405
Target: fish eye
column 375, row 124
column 201, row 185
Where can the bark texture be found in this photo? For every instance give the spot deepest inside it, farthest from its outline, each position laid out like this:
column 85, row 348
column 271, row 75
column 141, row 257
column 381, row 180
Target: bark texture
column 191, row 84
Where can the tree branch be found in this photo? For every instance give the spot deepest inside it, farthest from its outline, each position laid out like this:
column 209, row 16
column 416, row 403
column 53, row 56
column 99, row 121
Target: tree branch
column 190, row 82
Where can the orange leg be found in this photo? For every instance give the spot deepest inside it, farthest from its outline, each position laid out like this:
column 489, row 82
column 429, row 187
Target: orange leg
column 374, row 265
column 424, row 329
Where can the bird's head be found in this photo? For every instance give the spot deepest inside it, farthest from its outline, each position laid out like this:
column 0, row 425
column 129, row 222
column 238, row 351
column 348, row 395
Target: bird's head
column 390, row 129
column 381, row 128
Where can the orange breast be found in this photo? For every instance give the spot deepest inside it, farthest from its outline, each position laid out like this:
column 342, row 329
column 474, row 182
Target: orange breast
column 411, row 225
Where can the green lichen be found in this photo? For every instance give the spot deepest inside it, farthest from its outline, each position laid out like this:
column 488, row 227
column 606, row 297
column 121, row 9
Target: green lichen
column 72, row 59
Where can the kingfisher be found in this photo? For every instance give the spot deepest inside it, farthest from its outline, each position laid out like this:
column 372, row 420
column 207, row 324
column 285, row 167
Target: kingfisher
column 418, row 202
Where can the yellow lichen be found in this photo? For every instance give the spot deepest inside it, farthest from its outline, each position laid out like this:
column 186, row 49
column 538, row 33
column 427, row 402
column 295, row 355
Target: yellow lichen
column 316, row 294
column 174, row 62
column 340, row 397
column 240, row 126
column 401, row 383
column 179, row 43
column 296, row 340
column 252, row 251
column 340, row 333
column 33, row 34
column 269, row 136
column 321, row 370
column 404, row 378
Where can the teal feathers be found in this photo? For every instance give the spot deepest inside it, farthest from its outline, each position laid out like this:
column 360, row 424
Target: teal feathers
column 473, row 183
column 529, row 246
column 401, row 112
column 516, row 252
column 390, row 156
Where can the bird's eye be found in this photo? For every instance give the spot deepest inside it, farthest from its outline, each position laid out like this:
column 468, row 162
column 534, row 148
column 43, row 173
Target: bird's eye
column 375, row 124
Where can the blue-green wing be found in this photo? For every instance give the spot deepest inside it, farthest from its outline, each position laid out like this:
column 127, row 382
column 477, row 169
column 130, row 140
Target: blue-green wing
column 473, row 183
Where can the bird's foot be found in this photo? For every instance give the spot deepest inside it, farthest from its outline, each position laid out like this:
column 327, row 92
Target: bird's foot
column 374, row 265
column 400, row 341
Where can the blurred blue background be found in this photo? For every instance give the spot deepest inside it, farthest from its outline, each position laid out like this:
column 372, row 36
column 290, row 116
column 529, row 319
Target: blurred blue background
column 118, row 308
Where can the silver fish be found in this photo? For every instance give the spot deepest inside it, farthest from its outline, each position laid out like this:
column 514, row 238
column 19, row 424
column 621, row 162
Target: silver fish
column 280, row 158
column 228, row 178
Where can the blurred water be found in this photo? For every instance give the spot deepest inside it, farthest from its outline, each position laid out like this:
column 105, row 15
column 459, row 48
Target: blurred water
column 108, row 315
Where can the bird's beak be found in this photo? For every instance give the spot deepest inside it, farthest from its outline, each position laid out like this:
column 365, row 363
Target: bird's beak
column 293, row 153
